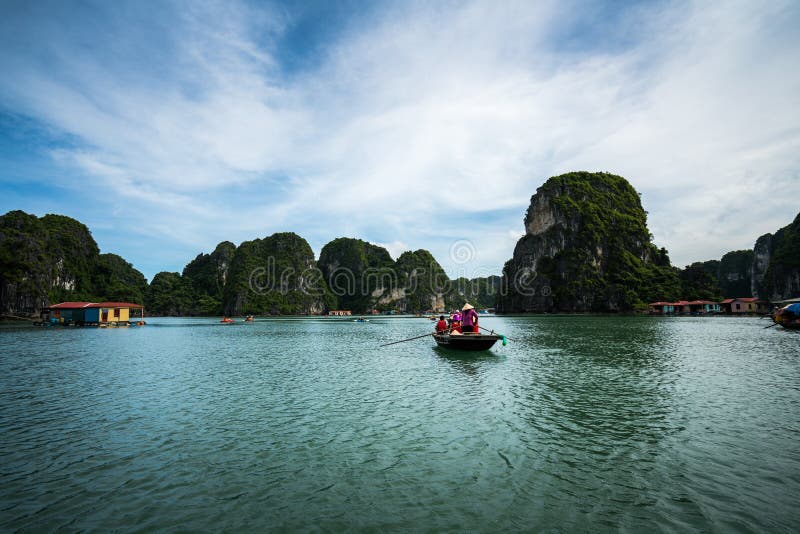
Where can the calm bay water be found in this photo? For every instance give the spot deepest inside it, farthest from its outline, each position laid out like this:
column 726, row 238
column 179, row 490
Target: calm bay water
column 580, row 423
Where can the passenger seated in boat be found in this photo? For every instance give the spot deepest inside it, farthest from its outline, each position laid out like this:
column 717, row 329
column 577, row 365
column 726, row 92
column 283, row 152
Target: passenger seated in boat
column 441, row 326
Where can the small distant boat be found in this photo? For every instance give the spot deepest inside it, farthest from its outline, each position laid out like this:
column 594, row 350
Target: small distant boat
column 361, row 320
column 249, row 319
column 226, row 320
column 467, row 341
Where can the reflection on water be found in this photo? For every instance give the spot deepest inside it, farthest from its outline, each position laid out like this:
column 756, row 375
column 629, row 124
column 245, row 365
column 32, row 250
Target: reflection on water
column 580, row 423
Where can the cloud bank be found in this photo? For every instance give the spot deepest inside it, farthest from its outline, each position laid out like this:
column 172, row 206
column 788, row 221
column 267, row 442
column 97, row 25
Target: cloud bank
column 414, row 124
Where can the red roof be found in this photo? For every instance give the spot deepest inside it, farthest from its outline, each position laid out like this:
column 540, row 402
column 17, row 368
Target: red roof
column 683, row 303
column 77, row 305
column 727, row 301
column 747, row 299
column 71, row 305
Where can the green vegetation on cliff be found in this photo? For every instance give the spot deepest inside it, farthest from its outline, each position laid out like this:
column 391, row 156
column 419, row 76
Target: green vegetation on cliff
column 169, row 294
column 55, row 258
column 699, row 282
column 353, row 270
column 207, row 275
column 778, row 261
column 25, row 264
column 422, row 281
column 587, row 249
column 734, row 274
column 786, row 246
column 117, row 280
column 275, row 275
column 481, row 292
column 74, row 255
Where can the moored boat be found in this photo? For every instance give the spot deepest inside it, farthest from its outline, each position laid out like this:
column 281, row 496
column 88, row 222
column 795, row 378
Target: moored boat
column 788, row 316
column 467, row 341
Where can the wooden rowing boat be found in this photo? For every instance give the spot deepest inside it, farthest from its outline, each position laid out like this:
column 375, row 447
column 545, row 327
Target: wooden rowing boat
column 467, row 341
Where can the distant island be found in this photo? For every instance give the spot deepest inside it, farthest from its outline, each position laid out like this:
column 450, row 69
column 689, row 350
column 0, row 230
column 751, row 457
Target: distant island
column 587, row 248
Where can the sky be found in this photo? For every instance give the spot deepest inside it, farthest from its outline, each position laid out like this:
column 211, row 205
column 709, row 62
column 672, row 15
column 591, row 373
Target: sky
column 168, row 127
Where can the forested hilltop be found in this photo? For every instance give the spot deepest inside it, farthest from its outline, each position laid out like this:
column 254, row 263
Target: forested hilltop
column 586, row 249
column 53, row 259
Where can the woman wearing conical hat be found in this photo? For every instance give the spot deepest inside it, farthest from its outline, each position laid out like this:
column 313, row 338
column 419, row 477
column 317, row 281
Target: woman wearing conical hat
column 469, row 318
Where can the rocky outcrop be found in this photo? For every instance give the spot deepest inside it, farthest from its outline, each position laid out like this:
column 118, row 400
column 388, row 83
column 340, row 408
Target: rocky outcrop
column 55, row 258
column 735, row 273
column 115, row 279
column 26, row 268
column 419, row 284
column 586, row 248
column 206, row 276
column 761, row 256
column 358, row 273
column 776, row 264
column 481, row 292
column 276, row 275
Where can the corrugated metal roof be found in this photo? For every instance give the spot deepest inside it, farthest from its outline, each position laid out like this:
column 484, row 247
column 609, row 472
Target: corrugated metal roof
column 78, row 305
column 71, row 305
column 116, row 305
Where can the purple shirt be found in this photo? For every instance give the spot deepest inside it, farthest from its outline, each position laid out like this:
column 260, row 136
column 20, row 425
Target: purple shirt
column 470, row 318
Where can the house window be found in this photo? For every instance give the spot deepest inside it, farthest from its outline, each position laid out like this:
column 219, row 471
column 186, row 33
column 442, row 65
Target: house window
column 738, row 306
column 116, row 313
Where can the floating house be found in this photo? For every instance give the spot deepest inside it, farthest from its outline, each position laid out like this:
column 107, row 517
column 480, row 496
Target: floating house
column 339, row 313
column 92, row 313
column 745, row 305
column 685, row 307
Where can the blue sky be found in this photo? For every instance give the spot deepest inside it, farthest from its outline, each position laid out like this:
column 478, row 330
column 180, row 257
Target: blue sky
column 168, row 127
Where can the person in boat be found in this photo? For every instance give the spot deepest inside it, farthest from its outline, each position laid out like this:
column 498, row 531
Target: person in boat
column 455, row 322
column 441, row 326
column 469, row 318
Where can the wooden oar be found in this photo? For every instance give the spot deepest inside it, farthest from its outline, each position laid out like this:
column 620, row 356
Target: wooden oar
column 770, row 326
column 404, row 340
column 493, row 332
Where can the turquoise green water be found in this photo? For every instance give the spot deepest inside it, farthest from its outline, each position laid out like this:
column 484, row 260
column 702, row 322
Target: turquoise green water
column 579, row 424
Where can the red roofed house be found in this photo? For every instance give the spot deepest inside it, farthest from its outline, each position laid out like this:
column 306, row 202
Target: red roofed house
column 683, row 307
column 661, row 308
column 704, row 306
column 91, row 313
column 745, row 305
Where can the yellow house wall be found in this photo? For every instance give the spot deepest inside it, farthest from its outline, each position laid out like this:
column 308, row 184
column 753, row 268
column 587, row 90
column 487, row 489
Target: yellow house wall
column 124, row 315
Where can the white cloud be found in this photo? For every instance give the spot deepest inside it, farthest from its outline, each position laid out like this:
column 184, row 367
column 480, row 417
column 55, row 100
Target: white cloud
column 428, row 114
column 395, row 248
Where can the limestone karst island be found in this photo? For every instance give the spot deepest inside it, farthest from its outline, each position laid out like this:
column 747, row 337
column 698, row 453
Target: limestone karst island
column 399, row 266
column 586, row 248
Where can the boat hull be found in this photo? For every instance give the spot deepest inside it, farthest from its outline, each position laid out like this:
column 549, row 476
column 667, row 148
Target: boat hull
column 472, row 342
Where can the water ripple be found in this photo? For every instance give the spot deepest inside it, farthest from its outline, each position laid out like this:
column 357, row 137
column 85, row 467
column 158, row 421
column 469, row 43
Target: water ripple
column 580, row 423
